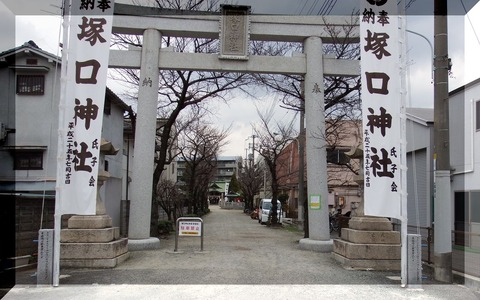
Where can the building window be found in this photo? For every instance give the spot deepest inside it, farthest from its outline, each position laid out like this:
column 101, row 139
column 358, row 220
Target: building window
column 337, row 157
column 30, row 84
column 475, row 206
column 477, row 115
column 28, row 160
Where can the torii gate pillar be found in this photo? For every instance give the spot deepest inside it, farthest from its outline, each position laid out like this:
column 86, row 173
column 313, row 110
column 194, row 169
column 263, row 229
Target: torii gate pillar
column 139, row 221
column 319, row 233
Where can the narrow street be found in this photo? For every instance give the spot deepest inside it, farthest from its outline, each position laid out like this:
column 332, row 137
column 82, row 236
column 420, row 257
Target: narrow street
column 240, row 253
column 237, row 250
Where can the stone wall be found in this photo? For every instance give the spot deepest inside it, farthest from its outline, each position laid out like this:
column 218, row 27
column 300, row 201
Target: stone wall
column 28, row 213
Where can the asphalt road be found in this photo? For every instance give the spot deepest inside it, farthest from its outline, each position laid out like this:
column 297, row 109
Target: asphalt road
column 241, row 258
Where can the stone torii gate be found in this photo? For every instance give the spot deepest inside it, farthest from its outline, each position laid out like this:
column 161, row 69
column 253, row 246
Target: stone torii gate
column 236, row 22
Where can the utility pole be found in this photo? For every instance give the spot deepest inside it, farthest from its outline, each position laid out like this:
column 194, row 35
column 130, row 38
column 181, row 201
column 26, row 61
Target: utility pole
column 442, row 199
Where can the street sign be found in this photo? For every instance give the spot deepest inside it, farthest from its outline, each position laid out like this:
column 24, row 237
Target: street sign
column 189, row 227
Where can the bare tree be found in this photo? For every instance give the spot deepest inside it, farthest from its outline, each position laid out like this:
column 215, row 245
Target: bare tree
column 341, row 94
column 199, row 146
column 273, row 137
column 250, row 181
column 179, row 90
column 170, row 199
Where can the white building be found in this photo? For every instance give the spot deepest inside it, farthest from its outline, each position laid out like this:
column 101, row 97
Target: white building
column 464, row 107
column 226, row 167
column 419, row 130
column 29, row 99
column 464, row 131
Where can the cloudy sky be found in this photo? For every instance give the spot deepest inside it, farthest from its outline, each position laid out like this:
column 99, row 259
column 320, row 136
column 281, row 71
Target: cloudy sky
column 36, row 20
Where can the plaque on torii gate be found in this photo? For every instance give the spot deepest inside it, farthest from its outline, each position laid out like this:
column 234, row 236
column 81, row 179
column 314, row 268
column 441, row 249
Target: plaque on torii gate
column 234, row 32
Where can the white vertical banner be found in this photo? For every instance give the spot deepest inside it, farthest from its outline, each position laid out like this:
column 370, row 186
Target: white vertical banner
column 227, row 185
column 81, row 106
column 381, row 107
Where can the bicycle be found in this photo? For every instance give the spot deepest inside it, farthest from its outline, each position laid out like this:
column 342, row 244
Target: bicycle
column 334, row 223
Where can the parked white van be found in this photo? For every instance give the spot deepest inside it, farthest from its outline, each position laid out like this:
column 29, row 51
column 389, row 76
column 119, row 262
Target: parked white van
column 264, row 210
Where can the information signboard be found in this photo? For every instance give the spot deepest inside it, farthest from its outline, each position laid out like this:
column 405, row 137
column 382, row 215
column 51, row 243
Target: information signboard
column 186, row 226
column 190, row 228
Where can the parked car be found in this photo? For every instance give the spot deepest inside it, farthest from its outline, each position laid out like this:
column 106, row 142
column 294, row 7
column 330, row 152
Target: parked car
column 264, row 211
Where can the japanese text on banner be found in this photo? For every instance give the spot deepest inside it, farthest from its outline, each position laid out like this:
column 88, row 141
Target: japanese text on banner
column 86, row 60
column 381, row 104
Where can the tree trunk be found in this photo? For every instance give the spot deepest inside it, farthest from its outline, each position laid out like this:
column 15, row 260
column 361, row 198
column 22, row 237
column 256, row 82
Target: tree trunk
column 154, row 219
column 274, row 187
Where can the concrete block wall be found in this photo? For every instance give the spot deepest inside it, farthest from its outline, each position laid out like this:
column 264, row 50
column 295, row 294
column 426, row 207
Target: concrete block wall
column 27, row 223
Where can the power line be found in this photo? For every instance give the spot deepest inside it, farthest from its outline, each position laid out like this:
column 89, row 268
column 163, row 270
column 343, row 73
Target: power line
column 331, row 7
column 303, row 7
column 322, row 7
column 409, row 3
column 313, row 6
column 327, row 7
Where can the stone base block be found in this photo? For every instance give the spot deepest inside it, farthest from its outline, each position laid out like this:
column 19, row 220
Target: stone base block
column 317, row 246
column 94, row 250
column 143, row 244
column 370, row 237
column 369, row 264
column 443, row 266
column 366, row 251
column 103, row 235
column 370, row 224
column 94, row 263
column 89, row 222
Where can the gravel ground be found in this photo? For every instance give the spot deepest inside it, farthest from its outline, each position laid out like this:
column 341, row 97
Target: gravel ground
column 241, row 258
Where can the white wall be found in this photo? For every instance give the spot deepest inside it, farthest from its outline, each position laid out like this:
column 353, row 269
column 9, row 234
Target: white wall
column 36, row 122
column 464, row 140
column 418, row 135
column 419, row 173
column 111, row 192
column 465, row 155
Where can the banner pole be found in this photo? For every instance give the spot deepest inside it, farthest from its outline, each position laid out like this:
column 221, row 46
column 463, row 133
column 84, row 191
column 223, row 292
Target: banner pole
column 403, row 146
column 56, row 249
column 67, row 4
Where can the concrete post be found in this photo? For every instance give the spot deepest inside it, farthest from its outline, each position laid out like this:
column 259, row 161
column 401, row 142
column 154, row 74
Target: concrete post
column 442, row 198
column 301, row 170
column 319, row 233
column 45, row 256
column 141, row 198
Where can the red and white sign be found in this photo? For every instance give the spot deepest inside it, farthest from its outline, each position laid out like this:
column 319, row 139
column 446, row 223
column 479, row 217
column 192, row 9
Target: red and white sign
column 190, row 228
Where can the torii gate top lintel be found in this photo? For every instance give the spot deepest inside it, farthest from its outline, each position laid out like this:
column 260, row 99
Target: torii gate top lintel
column 260, row 27
column 134, row 20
